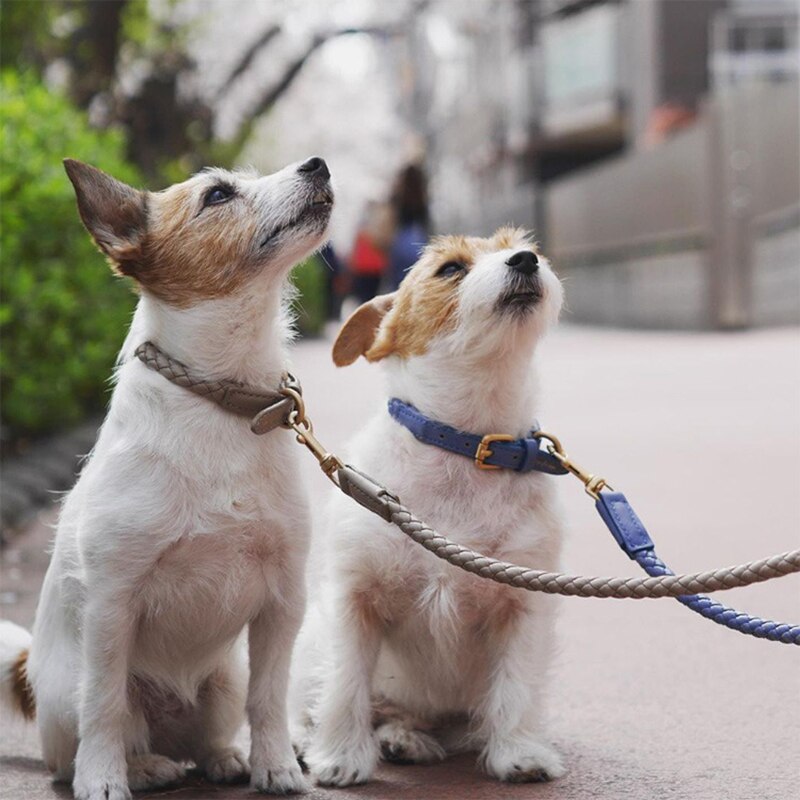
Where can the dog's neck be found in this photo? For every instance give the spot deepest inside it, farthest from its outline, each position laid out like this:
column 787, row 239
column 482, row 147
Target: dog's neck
column 477, row 395
column 241, row 338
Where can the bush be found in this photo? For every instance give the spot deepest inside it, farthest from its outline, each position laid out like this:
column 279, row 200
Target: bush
column 311, row 302
column 63, row 315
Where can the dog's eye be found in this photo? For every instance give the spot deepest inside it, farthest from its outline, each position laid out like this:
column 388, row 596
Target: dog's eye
column 217, row 194
column 450, row 268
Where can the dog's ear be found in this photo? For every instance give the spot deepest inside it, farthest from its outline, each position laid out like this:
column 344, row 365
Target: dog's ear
column 114, row 213
column 358, row 333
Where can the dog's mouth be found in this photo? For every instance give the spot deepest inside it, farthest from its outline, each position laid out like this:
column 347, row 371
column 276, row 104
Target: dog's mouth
column 324, row 197
column 317, row 210
column 521, row 299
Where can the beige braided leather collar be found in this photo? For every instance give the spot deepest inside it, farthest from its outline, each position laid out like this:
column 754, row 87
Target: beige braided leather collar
column 266, row 409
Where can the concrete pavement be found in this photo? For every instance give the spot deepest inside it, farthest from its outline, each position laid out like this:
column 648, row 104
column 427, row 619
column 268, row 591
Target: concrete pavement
column 702, row 432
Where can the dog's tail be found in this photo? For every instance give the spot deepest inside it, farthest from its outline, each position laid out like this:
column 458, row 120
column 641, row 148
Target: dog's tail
column 16, row 693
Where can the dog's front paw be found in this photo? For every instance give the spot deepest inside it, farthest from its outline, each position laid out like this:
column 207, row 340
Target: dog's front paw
column 226, row 766
column 402, row 745
column 279, row 780
column 525, row 762
column 345, row 765
column 100, row 789
column 152, row 771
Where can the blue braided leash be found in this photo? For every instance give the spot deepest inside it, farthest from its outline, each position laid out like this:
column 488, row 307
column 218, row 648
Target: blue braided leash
column 631, row 535
column 497, row 451
column 723, row 615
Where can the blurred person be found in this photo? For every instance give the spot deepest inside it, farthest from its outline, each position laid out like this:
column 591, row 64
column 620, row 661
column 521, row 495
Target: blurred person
column 667, row 119
column 412, row 219
column 370, row 257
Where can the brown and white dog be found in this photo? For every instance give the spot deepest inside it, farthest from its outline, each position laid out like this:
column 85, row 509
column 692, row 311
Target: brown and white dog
column 183, row 528
column 402, row 654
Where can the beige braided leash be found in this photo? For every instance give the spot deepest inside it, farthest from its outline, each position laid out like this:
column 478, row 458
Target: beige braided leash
column 269, row 409
column 383, row 503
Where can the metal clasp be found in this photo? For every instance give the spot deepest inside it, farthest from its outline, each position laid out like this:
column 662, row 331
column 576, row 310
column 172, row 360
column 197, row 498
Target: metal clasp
column 303, row 427
column 483, row 452
column 593, row 484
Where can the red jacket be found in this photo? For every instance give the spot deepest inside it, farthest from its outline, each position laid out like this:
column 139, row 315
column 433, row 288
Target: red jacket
column 367, row 259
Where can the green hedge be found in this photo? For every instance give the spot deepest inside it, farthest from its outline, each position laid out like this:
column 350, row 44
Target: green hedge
column 63, row 315
column 310, row 304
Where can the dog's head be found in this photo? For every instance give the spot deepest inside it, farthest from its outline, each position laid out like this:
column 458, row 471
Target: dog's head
column 464, row 297
column 210, row 235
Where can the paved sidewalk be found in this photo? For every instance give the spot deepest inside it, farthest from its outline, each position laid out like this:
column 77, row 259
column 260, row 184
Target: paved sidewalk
column 46, row 467
column 702, row 432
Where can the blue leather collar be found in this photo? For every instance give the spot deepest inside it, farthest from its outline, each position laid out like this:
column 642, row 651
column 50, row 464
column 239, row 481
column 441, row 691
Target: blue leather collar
column 520, row 455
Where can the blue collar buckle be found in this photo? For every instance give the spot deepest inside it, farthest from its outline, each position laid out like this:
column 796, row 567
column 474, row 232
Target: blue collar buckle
column 483, row 452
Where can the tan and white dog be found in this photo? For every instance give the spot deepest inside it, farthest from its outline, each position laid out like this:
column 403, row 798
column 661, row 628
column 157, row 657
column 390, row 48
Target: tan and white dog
column 402, row 654
column 184, row 528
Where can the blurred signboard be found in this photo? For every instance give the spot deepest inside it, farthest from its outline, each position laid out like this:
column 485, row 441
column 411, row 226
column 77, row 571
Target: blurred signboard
column 581, row 70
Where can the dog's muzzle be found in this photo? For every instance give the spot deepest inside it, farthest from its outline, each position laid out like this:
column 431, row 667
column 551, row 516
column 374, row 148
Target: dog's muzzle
column 524, row 285
column 316, row 210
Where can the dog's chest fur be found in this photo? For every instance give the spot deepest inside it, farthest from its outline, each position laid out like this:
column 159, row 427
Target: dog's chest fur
column 200, row 593
column 214, row 507
column 439, row 619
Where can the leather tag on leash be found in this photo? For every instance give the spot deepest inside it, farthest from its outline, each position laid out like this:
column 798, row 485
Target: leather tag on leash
column 366, row 492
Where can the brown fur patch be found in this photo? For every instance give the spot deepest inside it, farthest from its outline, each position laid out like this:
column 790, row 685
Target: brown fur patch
column 507, row 237
column 424, row 305
column 189, row 255
column 21, row 687
column 167, row 241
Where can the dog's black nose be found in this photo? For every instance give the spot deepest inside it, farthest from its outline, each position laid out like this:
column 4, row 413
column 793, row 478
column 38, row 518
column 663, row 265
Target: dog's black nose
column 315, row 167
column 524, row 261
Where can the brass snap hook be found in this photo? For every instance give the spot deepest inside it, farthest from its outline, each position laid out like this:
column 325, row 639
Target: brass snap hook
column 593, row 484
column 304, row 428
column 298, row 414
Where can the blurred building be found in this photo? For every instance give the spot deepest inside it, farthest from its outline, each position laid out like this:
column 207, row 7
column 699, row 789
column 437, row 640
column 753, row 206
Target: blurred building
column 653, row 146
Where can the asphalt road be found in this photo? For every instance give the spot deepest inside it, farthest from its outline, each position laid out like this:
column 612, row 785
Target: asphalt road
column 702, row 432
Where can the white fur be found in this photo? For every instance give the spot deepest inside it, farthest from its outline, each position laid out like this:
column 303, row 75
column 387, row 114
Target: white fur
column 438, row 644
column 183, row 530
